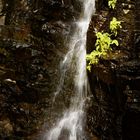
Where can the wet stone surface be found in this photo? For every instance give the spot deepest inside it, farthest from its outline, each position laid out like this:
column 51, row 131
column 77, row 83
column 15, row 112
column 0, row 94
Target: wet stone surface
column 115, row 106
column 33, row 41
column 33, row 38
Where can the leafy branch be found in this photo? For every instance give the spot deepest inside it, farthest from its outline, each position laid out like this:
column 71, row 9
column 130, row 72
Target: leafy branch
column 112, row 3
column 104, row 42
column 102, row 45
column 115, row 25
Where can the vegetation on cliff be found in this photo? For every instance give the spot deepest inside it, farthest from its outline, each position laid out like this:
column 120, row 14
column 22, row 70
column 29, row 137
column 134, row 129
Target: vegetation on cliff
column 104, row 41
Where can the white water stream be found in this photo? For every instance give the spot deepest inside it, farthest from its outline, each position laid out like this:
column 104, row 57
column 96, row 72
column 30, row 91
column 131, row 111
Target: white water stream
column 71, row 124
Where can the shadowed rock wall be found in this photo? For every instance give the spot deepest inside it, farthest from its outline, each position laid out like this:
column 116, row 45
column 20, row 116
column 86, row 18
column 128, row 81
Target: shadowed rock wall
column 33, row 40
column 115, row 108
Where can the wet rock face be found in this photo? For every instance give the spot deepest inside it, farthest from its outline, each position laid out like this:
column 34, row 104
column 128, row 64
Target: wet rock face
column 115, row 107
column 32, row 44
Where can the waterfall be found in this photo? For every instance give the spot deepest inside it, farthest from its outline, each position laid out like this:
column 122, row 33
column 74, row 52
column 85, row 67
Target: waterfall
column 70, row 126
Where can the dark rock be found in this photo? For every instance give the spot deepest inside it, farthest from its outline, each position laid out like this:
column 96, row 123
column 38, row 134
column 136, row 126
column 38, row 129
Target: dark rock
column 32, row 43
column 115, row 106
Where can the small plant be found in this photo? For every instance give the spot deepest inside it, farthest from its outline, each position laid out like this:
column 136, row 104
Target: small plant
column 92, row 58
column 115, row 25
column 112, row 3
column 104, row 41
column 103, row 45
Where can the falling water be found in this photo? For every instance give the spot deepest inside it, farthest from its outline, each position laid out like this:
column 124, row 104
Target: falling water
column 70, row 126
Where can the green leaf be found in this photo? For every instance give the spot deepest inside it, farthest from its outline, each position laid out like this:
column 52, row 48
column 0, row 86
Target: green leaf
column 115, row 25
column 112, row 3
column 115, row 42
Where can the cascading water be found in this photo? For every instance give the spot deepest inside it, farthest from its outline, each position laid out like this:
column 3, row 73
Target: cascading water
column 70, row 126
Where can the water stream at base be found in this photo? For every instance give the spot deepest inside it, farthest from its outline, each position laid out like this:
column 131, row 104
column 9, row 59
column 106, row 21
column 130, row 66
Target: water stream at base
column 70, row 126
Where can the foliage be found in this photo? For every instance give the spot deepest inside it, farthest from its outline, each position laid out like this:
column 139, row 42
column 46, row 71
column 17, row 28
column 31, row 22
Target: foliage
column 104, row 41
column 103, row 45
column 115, row 25
column 112, row 3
